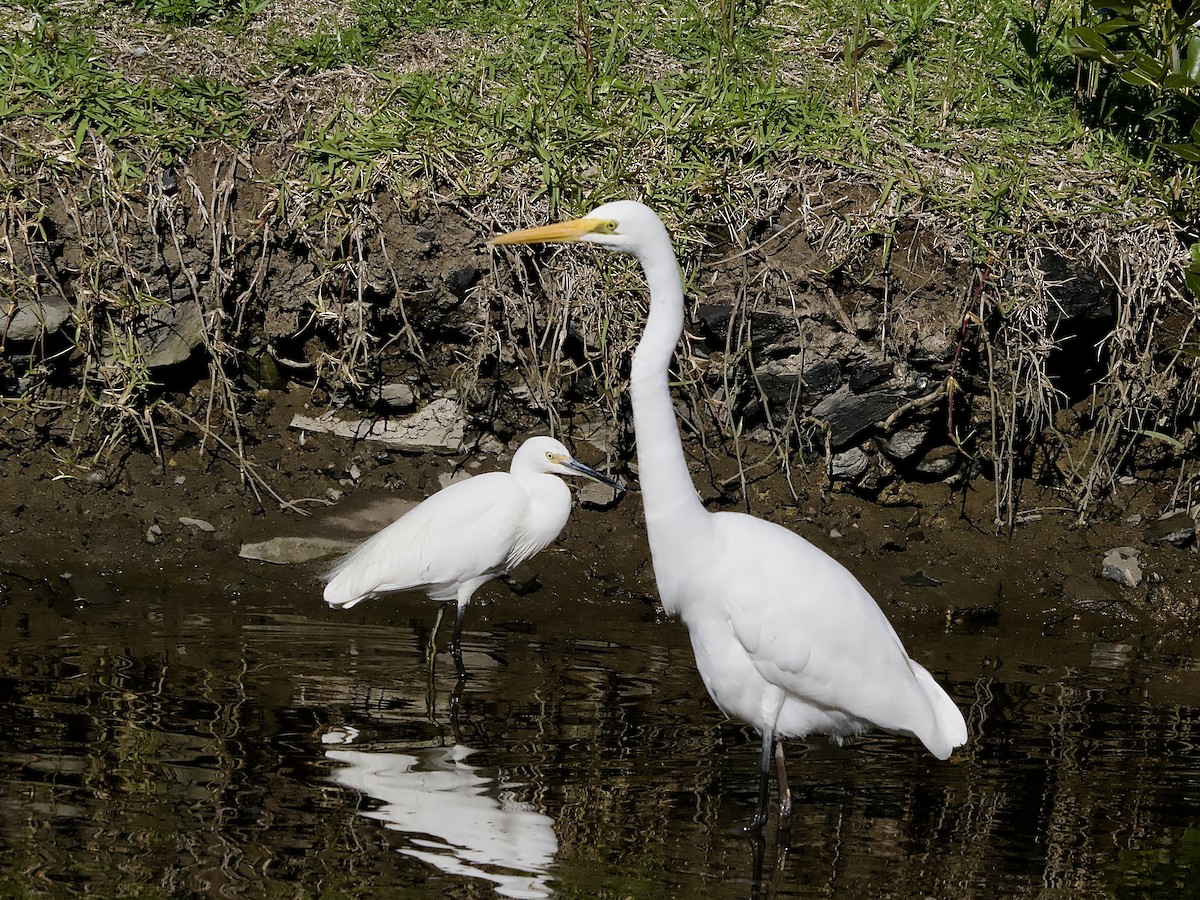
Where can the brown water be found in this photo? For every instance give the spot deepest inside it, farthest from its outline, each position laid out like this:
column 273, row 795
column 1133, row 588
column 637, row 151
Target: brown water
column 223, row 734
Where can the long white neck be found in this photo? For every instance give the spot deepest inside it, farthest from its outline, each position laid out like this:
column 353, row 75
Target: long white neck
column 673, row 510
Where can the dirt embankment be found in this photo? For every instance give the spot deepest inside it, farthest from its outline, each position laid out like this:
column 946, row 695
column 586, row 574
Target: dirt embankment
column 159, row 346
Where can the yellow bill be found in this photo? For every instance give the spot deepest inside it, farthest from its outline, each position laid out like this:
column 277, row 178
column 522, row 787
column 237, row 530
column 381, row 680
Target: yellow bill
column 558, row 232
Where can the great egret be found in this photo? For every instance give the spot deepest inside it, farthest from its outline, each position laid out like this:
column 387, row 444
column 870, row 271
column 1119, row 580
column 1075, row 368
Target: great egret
column 453, row 542
column 785, row 638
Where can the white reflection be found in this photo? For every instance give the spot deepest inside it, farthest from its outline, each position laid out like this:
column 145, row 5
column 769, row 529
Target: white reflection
column 452, row 819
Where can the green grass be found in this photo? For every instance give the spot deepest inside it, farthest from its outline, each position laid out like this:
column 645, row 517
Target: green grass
column 62, row 79
column 963, row 116
column 670, row 101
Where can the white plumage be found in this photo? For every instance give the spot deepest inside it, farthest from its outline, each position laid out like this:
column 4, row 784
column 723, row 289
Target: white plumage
column 785, row 638
column 453, row 542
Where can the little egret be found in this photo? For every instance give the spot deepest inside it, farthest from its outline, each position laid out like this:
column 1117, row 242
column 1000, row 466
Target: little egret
column 469, row 532
column 785, row 638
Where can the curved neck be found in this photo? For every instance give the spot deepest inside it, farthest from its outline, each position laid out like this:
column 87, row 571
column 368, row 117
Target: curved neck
column 667, row 490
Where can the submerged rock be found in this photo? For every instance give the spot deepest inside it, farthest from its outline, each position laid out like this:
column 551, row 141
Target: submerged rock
column 938, row 461
column 292, row 550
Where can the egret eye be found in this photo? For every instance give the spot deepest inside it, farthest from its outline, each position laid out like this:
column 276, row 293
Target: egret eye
column 609, row 227
column 550, row 456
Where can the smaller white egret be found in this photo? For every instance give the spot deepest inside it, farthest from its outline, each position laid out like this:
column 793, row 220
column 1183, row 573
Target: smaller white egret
column 469, row 532
column 785, row 637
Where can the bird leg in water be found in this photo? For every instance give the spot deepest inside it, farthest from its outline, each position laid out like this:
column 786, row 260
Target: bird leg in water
column 785, row 792
column 456, row 643
column 431, row 647
column 764, row 784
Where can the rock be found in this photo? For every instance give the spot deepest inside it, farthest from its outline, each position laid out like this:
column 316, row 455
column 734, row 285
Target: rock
column 1087, row 592
column 904, row 443
column 938, row 461
column 918, row 578
column 601, row 434
column 1121, row 565
column 32, row 318
column 440, row 426
column 166, row 335
column 154, row 534
column 593, row 495
column 198, row 524
column 766, row 328
column 848, row 414
column 398, row 396
column 445, row 479
column 261, row 369
column 803, row 376
column 1176, row 528
column 292, row 550
column 869, row 375
column 462, row 280
column 849, row 464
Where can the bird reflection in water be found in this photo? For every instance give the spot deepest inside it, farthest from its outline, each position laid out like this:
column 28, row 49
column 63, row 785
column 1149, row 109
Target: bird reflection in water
column 456, row 817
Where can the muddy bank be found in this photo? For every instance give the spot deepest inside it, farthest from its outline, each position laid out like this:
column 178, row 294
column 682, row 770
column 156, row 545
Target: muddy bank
column 926, row 546
column 831, row 331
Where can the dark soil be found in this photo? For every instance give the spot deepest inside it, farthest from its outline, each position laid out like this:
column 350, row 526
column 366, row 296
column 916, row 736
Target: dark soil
column 925, row 545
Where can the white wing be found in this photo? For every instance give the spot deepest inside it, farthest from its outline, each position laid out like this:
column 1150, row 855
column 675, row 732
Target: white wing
column 465, row 530
column 809, row 627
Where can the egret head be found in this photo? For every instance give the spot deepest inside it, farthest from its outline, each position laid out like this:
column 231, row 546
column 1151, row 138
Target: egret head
column 545, row 455
column 625, row 226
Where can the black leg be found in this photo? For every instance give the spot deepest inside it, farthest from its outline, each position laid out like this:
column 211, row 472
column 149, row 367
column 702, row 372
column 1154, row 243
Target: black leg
column 456, row 643
column 764, row 784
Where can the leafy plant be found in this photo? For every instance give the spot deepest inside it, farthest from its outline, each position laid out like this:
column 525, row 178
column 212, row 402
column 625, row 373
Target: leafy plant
column 1154, row 46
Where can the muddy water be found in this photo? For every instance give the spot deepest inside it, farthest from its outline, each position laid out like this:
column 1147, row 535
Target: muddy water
column 222, row 734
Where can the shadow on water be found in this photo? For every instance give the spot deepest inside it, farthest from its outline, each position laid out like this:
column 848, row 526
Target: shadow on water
column 242, row 740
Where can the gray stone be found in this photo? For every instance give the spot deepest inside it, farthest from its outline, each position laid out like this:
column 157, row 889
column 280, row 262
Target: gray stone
column 292, row 550
column 1121, row 565
column 938, row 461
column 198, row 524
column 33, row 318
column 904, row 443
column 848, row 464
column 440, row 426
column 1176, row 528
column 168, row 334
column 594, row 495
column 397, row 395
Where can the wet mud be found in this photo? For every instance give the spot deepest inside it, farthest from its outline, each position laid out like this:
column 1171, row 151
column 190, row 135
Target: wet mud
column 181, row 721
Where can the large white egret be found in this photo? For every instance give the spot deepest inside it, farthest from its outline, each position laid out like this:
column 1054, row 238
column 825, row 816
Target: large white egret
column 469, row 532
column 785, row 638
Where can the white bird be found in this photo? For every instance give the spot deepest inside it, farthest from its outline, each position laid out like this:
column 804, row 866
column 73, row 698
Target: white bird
column 469, row 532
column 785, row 638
